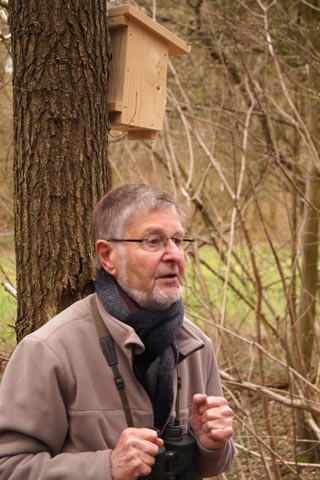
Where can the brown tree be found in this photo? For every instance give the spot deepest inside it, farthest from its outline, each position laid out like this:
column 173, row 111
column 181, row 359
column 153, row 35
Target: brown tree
column 60, row 77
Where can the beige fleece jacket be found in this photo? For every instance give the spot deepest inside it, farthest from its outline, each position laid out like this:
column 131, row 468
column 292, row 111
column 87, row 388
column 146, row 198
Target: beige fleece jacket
column 60, row 412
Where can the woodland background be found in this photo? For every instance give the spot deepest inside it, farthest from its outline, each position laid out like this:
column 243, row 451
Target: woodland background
column 240, row 147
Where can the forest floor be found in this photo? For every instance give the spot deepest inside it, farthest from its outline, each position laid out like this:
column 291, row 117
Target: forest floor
column 253, row 460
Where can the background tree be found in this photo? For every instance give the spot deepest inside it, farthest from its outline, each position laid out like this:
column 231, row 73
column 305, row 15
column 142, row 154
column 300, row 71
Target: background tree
column 60, row 60
column 309, row 20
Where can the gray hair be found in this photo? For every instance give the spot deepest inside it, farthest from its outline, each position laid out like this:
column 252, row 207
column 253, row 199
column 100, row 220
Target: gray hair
column 113, row 212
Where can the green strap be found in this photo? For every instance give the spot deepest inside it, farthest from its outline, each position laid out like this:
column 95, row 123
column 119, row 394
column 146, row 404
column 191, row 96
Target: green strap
column 107, row 347
column 178, row 398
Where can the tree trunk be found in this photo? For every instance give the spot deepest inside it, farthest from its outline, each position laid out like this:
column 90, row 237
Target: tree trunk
column 310, row 244
column 310, row 255
column 309, row 268
column 60, row 60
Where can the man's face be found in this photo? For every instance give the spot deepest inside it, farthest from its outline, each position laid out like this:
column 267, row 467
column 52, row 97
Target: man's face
column 153, row 279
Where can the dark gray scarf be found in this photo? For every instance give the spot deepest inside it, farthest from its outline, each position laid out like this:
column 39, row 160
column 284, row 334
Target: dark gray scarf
column 158, row 331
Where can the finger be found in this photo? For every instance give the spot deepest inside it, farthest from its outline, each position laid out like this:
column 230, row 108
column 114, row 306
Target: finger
column 217, row 413
column 129, row 468
column 150, row 435
column 145, row 458
column 134, row 453
column 146, row 433
column 217, row 423
column 199, row 399
column 142, row 440
column 220, row 434
column 198, row 402
column 213, row 402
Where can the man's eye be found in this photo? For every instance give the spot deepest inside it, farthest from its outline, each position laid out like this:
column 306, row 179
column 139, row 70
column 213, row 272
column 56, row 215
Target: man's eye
column 153, row 241
column 178, row 241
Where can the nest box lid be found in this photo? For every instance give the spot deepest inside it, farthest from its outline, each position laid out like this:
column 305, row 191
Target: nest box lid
column 119, row 15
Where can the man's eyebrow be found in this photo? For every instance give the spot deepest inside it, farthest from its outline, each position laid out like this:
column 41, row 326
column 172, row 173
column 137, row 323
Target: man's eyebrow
column 161, row 231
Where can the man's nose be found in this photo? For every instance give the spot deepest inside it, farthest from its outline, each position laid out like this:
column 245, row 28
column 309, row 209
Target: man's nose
column 172, row 250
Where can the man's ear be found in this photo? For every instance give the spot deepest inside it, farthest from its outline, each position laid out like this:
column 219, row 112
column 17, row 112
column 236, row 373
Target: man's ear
column 106, row 255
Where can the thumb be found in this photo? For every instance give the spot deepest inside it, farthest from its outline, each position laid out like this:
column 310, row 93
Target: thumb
column 198, row 401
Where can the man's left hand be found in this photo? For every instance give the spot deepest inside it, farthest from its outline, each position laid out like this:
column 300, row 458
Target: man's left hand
column 211, row 420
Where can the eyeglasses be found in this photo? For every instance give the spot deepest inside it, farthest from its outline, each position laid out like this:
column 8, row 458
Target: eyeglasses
column 155, row 243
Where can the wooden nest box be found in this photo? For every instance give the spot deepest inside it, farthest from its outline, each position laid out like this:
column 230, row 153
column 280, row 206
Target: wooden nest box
column 138, row 70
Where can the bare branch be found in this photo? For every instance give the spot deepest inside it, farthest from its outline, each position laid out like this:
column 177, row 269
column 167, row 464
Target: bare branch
column 4, row 16
column 258, row 455
column 10, row 289
column 300, row 403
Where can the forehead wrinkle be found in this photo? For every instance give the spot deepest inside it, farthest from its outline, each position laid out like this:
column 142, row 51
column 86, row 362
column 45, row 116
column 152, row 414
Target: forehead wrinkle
column 155, row 229
column 146, row 222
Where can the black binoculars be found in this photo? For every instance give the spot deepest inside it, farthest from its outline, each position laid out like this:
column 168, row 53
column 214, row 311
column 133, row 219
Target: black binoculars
column 175, row 460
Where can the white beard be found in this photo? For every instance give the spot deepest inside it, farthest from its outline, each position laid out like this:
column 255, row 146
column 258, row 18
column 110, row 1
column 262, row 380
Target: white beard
column 154, row 301
column 158, row 299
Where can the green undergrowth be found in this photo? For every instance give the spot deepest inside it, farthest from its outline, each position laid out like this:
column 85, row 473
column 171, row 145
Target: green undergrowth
column 8, row 304
column 237, row 293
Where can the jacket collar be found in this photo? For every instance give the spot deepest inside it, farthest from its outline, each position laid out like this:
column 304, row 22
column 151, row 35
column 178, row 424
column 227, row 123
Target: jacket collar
column 126, row 337
column 188, row 341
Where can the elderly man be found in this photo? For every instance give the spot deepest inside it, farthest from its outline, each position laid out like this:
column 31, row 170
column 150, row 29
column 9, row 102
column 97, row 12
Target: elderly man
column 66, row 414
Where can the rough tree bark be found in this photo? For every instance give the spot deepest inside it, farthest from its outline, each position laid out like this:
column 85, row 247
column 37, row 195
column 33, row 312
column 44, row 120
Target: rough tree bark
column 60, row 77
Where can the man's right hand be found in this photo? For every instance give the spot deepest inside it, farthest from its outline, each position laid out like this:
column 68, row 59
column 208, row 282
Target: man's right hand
column 134, row 453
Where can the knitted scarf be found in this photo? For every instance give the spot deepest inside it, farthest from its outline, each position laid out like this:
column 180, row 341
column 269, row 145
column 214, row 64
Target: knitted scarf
column 158, row 331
